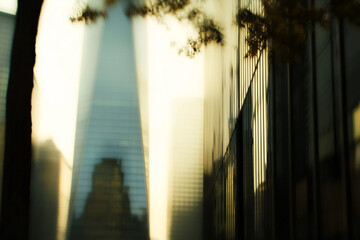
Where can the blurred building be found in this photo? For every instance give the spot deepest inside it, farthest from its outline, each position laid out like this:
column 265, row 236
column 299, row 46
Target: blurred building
column 45, row 191
column 185, row 177
column 281, row 141
column 107, row 213
column 7, row 27
column 108, row 127
column 50, row 192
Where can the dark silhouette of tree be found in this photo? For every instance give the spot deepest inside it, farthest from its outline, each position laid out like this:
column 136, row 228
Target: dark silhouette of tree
column 282, row 27
column 17, row 159
column 284, row 23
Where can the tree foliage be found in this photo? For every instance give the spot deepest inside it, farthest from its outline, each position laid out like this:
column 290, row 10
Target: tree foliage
column 88, row 15
column 158, row 9
column 208, row 31
column 282, row 27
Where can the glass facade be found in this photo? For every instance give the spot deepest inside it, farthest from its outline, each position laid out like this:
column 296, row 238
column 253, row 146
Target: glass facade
column 281, row 139
column 278, row 143
column 185, row 169
column 7, row 25
column 108, row 196
column 237, row 170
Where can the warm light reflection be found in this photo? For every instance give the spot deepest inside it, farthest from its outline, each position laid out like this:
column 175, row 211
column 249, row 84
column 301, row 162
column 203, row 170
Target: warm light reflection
column 260, row 123
column 57, row 69
column 54, row 102
column 185, row 171
column 64, row 198
column 356, row 122
column 170, row 76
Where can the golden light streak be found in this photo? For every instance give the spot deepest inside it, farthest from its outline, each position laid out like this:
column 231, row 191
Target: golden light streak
column 57, row 72
column 170, row 76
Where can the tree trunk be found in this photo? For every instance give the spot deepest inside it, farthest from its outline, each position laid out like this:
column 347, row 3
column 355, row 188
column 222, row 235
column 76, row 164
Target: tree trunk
column 17, row 158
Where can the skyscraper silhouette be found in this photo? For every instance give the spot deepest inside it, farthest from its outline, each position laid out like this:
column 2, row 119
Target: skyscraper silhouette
column 108, row 127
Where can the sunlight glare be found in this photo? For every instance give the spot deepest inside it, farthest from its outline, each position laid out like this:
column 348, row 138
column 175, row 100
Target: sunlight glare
column 170, row 76
column 57, row 72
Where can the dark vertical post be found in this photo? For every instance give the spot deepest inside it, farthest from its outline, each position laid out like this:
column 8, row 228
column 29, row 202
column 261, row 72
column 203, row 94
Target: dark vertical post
column 340, row 92
column 272, row 130
column 340, row 122
column 239, row 207
column 290, row 159
column 315, row 169
column 17, row 159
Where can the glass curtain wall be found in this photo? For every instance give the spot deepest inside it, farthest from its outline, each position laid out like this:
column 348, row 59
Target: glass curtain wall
column 7, row 25
column 185, row 178
column 86, row 134
column 108, row 197
column 294, row 137
column 237, row 170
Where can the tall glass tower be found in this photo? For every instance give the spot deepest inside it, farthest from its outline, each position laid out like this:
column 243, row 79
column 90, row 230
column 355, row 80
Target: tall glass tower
column 108, row 195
